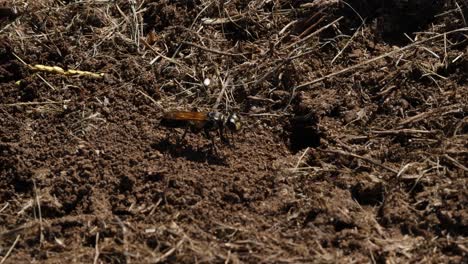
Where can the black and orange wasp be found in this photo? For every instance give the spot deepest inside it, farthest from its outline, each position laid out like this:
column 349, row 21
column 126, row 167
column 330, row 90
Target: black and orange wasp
column 205, row 122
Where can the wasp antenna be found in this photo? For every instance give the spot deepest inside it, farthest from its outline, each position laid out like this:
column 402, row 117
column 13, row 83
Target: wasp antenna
column 181, row 139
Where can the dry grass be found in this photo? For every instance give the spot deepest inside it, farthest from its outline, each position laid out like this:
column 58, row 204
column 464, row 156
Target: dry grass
column 262, row 58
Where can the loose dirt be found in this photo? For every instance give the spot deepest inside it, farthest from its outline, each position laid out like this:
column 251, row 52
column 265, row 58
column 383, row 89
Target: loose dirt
column 353, row 147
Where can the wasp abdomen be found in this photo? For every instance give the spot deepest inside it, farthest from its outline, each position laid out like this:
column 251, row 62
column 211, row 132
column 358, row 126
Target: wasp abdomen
column 172, row 123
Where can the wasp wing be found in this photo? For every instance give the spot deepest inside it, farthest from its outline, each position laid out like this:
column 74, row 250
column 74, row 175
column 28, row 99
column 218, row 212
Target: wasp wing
column 186, row 116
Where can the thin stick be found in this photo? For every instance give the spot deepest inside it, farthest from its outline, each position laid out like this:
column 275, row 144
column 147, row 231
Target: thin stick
column 300, row 159
column 46, row 82
column 224, row 84
column 4, row 207
column 305, row 169
column 169, row 252
column 337, row 151
column 402, row 170
column 33, row 103
column 456, row 162
column 359, row 65
column 96, row 256
column 212, row 50
column 347, row 43
column 445, row 51
column 430, row 112
column 289, row 59
column 265, row 114
column 191, row 27
column 41, row 228
column 354, row 10
column 10, row 250
column 29, row 66
column 315, row 32
column 134, row 25
column 228, row 257
column 305, row 32
column 461, row 12
column 18, row 58
column 163, row 56
column 124, row 235
column 281, row 32
column 402, row 131
column 150, row 98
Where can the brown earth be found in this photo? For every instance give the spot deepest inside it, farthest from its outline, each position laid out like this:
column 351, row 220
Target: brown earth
column 333, row 165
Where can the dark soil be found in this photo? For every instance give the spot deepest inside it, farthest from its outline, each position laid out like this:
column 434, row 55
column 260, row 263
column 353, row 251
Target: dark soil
column 364, row 165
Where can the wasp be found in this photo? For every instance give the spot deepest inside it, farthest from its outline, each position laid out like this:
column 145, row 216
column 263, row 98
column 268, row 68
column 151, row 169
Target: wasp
column 205, row 122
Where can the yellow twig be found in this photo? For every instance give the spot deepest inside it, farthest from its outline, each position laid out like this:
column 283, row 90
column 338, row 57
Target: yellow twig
column 59, row 70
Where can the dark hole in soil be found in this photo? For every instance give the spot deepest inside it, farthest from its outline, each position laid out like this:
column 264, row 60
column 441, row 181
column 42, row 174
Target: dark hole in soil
column 453, row 249
column 303, row 132
column 50, row 211
column 340, row 225
column 393, row 18
column 421, row 206
column 239, row 31
column 451, row 223
column 415, row 187
column 126, row 183
column 231, row 198
column 22, row 185
column 399, row 17
column 311, row 216
column 370, row 194
column 156, row 176
column 380, row 258
column 152, row 242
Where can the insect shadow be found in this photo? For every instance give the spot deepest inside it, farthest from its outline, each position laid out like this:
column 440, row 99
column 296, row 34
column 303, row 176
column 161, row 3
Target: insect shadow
column 203, row 154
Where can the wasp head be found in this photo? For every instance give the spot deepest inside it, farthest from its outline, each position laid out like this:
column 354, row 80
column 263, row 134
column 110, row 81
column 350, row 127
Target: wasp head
column 233, row 122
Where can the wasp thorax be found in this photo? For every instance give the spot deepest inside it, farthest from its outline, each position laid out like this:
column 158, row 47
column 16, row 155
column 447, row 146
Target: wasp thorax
column 216, row 117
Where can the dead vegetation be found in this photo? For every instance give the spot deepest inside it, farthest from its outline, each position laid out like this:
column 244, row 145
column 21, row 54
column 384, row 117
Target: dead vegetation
column 354, row 148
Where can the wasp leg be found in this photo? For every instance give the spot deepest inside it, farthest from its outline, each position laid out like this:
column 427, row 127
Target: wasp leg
column 181, row 139
column 232, row 139
column 168, row 135
column 223, row 137
column 207, row 134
